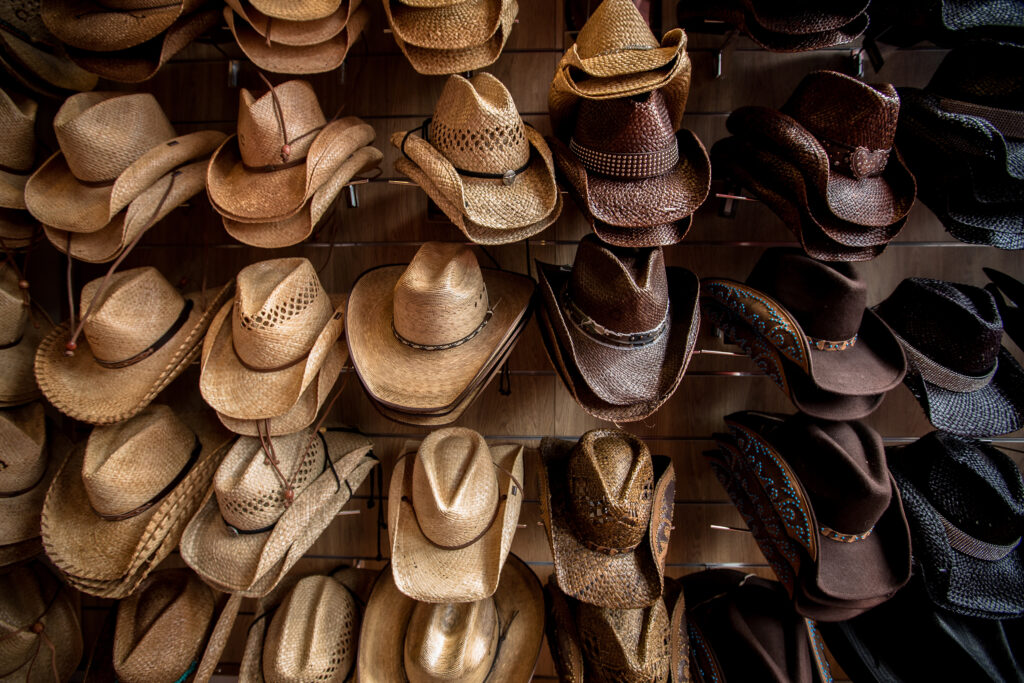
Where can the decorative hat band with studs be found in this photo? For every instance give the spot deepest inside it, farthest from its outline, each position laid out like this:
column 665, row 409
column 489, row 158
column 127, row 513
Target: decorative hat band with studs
column 449, row 345
column 827, row 345
column 860, row 162
column 978, row 549
column 186, row 309
column 943, row 377
column 506, row 177
column 828, row 532
column 192, row 458
column 601, row 334
column 1007, row 121
column 629, row 165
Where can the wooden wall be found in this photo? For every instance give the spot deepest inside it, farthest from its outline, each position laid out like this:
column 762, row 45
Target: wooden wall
column 391, row 222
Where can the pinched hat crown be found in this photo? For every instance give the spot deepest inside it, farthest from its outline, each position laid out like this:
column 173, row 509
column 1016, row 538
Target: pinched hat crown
column 451, row 642
column 17, row 131
column 627, row 645
column 102, row 133
column 279, row 127
column 615, row 26
column 477, row 128
column 13, row 311
column 131, row 464
column 611, row 489
column 441, row 297
column 313, row 634
column 22, row 454
column 279, row 312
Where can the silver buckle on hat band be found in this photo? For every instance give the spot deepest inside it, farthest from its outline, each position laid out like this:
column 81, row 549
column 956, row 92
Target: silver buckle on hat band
column 610, row 337
column 627, row 165
column 968, row 545
column 942, row 377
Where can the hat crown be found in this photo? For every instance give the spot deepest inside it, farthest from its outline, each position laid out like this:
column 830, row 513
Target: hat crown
column 17, row 131
column 441, row 297
column 628, row 645
column 13, row 311
column 279, row 312
column 958, row 326
column 250, row 493
column 839, row 108
column 476, row 126
column 292, row 104
column 611, row 489
column 451, row 642
column 313, row 634
column 987, row 73
column 827, row 299
column 622, row 289
column 625, row 125
column 128, row 464
column 615, row 26
column 138, row 307
column 23, row 458
column 102, row 133
column 454, row 486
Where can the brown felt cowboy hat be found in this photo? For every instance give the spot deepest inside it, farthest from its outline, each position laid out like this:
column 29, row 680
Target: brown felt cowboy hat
column 270, row 503
column 624, row 323
column 138, row 334
column 20, row 332
column 494, row 639
column 17, row 147
column 479, row 155
column 161, row 628
column 453, row 506
column 114, row 511
column 807, row 322
column 421, row 335
column 111, row 25
column 113, row 147
column 615, row 559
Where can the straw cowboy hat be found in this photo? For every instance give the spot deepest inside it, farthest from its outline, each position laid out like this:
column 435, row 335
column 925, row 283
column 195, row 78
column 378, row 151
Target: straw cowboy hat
column 494, row 639
column 256, row 524
column 453, row 506
column 285, row 149
column 616, row 55
column 114, row 511
column 290, row 10
column 967, row 382
column 40, row 626
column 20, row 332
column 616, row 562
column 308, row 629
column 482, row 158
column 266, row 347
column 421, row 335
column 112, row 148
column 806, row 323
column 17, row 147
column 111, row 25
column 295, row 33
column 33, row 57
column 137, row 336
column 624, row 323
column 161, row 628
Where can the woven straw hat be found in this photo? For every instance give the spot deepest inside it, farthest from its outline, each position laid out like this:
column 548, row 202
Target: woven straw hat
column 245, row 538
column 139, row 336
column 303, row 10
column 476, row 130
column 162, row 627
column 624, row 322
column 18, row 230
column 114, row 511
column 268, row 345
column 40, row 626
column 421, row 335
column 295, row 33
column 266, row 173
column 1009, row 297
column 496, row 639
column 20, row 333
column 617, row 559
column 110, row 25
column 112, row 147
column 33, row 56
column 17, row 147
column 453, row 27
column 453, row 506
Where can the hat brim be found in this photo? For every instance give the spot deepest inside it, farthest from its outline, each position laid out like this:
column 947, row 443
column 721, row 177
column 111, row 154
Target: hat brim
column 416, row 381
column 440, row 62
column 296, row 33
column 81, row 388
column 52, row 75
column 637, row 62
column 797, row 20
column 663, row 235
column 21, row 513
column 451, row 27
column 18, row 379
column 518, row 600
column 12, row 189
column 309, row 10
column 87, row 24
column 17, row 228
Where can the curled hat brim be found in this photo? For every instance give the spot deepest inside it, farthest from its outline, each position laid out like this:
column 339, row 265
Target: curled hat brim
column 440, row 61
column 12, row 190
column 296, row 33
column 796, row 20
column 662, row 235
column 308, row 10
column 52, row 75
column 21, row 513
column 89, row 25
column 453, row 27
column 17, row 228
column 18, row 380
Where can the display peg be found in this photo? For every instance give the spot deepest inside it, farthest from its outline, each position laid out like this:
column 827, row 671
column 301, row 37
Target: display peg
column 857, row 59
column 234, row 66
column 722, row 527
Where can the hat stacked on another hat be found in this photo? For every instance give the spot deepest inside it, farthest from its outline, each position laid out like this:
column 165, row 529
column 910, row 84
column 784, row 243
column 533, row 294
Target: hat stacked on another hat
column 33, row 57
column 21, row 330
column 297, row 37
column 825, row 164
column 451, row 36
column 275, row 180
column 821, row 505
column 119, row 170
column 946, row 22
column 17, row 160
column 1009, row 297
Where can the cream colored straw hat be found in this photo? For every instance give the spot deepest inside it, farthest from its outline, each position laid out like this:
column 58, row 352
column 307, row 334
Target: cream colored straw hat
column 110, row 25
column 138, row 335
column 20, row 332
column 17, row 147
column 295, row 33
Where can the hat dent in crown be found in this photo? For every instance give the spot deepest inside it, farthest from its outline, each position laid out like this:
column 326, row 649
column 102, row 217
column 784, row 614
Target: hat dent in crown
column 627, row 645
column 595, row 40
column 260, row 137
column 17, row 131
column 453, row 641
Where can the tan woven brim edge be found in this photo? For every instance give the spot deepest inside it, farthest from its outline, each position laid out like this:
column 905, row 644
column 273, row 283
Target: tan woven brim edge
column 296, row 33
column 453, row 39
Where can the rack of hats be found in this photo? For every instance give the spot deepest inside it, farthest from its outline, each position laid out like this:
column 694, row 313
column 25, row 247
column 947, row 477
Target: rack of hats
column 298, row 327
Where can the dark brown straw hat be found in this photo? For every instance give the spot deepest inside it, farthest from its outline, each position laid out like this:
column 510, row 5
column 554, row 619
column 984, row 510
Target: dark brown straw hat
column 966, row 381
column 813, row 315
column 663, row 235
column 615, row 559
column 625, row 322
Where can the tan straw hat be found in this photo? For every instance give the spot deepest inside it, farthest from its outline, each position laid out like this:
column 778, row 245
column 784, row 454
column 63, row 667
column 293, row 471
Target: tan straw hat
column 453, row 27
column 421, row 335
column 112, row 147
column 40, row 626
column 17, row 147
column 285, row 149
column 162, row 627
column 115, row 510
column 296, row 10
column 20, row 332
column 33, row 57
column 111, row 25
column 295, row 33
column 496, row 639
column 18, row 230
column 268, row 345
column 483, row 158
column 615, row 559
column 254, row 526
column 137, row 336
column 453, row 506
